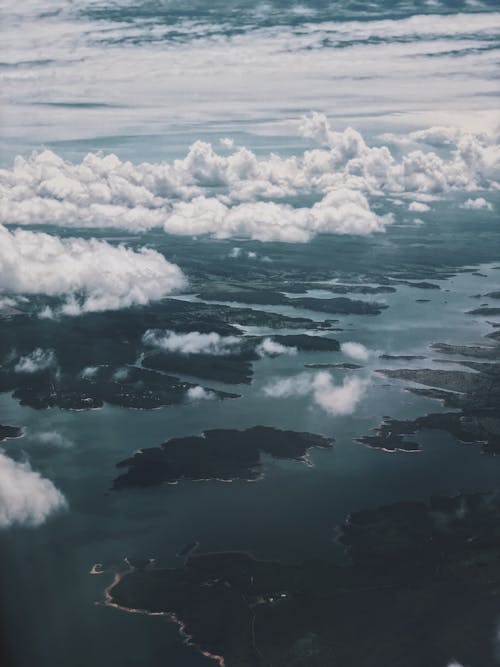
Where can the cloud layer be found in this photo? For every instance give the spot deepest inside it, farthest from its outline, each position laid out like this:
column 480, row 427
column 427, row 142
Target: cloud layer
column 92, row 275
column 26, row 498
column 240, row 195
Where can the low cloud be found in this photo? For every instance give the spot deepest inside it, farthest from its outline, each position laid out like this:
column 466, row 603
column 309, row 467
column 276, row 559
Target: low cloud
column 418, row 207
column 53, row 439
column 477, row 204
column 103, row 191
column 89, row 372
column 200, row 394
column 92, row 275
column 341, row 211
column 26, row 498
column 341, row 399
column 36, row 361
column 193, row 342
column 270, row 348
column 355, row 351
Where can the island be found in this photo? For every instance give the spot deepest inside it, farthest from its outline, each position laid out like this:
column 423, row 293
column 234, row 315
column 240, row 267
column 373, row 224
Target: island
column 219, row 454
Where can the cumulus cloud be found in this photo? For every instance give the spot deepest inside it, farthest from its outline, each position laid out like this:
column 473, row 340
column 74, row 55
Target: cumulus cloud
column 53, row 439
column 418, row 207
column 270, row 348
column 120, row 375
column 477, row 204
column 193, row 342
column 340, row 399
column 341, row 211
column 93, row 275
column 89, row 372
column 200, row 394
column 26, row 498
column 103, row 191
column 355, row 351
column 36, row 361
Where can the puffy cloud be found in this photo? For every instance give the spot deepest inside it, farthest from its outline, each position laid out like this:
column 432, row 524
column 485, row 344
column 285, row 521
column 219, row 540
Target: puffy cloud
column 193, row 342
column 89, row 372
column 477, row 204
column 335, row 399
column 53, row 439
column 418, row 207
column 26, row 498
column 93, row 275
column 355, row 351
column 270, row 348
column 178, row 196
column 200, row 394
column 341, row 211
column 120, row 375
column 36, row 361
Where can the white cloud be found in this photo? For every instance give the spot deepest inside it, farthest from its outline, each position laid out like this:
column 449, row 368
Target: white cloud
column 193, row 342
column 335, row 399
column 200, row 394
column 355, row 351
column 341, row 211
column 270, row 348
column 418, row 207
column 93, row 275
column 104, row 191
column 120, row 375
column 89, row 372
column 36, row 361
column 53, row 439
column 477, row 204
column 26, row 498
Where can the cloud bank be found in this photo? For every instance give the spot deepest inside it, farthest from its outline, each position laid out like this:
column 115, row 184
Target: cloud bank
column 26, row 498
column 241, row 195
column 341, row 399
column 92, row 275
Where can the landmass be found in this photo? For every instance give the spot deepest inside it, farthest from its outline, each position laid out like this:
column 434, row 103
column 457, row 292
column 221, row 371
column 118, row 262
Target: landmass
column 223, row 454
column 8, row 432
column 418, row 574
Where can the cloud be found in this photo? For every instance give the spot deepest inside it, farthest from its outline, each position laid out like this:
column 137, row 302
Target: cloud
column 53, row 439
column 341, row 211
column 89, row 372
column 120, row 375
column 36, row 361
column 92, row 275
column 103, row 191
column 355, row 351
column 193, row 342
column 270, row 348
column 418, row 207
column 26, row 498
column 335, row 399
column 477, row 204
column 200, row 394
